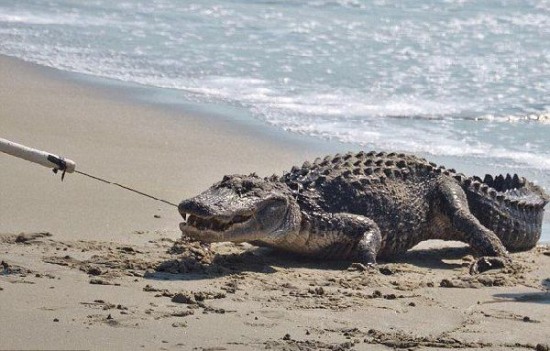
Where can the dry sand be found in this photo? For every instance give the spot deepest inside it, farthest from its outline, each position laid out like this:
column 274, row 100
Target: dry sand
column 96, row 268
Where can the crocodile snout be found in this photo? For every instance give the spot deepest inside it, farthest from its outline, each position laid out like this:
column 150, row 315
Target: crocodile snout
column 198, row 208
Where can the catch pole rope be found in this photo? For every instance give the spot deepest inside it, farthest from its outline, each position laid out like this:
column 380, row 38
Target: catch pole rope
column 57, row 163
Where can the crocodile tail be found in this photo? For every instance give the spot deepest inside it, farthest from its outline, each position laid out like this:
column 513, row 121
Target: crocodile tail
column 510, row 206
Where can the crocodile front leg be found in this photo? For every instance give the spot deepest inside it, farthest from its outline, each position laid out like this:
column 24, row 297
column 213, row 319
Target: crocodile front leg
column 470, row 230
column 343, row 236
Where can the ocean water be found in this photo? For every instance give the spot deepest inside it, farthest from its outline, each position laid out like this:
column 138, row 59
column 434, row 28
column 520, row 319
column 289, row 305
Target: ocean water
column 448, row 78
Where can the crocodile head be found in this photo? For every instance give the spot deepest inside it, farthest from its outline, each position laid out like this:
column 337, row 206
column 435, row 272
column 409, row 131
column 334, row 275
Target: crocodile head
column 510, row 206
column 240, row 208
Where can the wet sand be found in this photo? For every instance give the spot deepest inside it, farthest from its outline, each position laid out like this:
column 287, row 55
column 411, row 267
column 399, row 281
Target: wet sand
column 91, row 266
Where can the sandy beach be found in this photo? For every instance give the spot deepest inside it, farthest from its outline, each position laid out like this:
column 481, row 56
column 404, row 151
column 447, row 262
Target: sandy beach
column 86, row 265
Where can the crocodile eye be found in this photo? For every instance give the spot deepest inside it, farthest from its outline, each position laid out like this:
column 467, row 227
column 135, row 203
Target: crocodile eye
column 271, row 213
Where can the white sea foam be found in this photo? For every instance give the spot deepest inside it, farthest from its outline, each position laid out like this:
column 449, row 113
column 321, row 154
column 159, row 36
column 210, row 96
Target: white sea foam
column 449, row 78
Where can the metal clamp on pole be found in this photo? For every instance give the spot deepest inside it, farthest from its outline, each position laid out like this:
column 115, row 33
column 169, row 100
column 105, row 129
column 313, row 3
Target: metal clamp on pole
column 61, row 165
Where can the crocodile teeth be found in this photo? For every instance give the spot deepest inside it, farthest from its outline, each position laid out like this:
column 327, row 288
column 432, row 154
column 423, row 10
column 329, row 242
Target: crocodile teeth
column 215, row 223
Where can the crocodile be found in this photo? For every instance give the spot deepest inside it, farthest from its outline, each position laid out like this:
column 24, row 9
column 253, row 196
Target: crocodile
column 366, row 205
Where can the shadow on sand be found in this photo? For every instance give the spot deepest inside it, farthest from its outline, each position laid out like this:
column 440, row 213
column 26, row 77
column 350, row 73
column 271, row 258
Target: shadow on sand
column 445, row 257
column 268, row 261
column 254, row 260
column 535, row 297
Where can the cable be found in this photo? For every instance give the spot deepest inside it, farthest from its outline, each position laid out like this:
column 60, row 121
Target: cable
column 125, row 187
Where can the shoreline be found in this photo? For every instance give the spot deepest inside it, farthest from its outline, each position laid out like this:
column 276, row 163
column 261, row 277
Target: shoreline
column 169, row 104
column 85, row 265
column 285, row 149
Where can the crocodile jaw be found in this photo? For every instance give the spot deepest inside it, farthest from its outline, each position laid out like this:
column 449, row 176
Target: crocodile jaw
column 215, row 228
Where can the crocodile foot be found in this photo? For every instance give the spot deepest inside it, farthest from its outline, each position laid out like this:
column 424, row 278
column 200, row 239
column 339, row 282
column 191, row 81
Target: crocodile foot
column 486, row 263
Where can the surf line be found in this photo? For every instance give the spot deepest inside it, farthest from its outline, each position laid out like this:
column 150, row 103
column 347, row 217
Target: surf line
column 65, row 165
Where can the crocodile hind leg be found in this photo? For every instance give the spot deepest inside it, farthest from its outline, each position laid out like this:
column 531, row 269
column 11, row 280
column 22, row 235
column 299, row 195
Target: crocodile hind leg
column 470, row 230
column 346, row 236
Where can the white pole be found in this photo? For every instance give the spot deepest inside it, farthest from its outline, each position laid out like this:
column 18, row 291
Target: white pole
column 33, row 155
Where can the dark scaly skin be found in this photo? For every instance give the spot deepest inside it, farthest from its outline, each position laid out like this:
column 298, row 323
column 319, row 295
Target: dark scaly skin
column 361, row 206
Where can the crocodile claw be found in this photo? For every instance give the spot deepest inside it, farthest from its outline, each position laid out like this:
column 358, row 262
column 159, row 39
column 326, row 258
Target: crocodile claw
column 360, row 267
column 486, row 263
